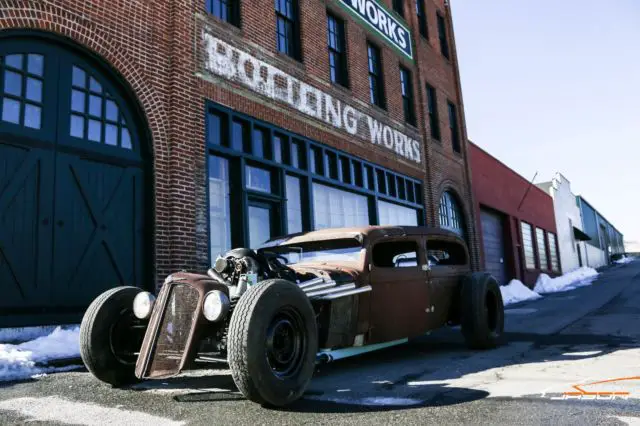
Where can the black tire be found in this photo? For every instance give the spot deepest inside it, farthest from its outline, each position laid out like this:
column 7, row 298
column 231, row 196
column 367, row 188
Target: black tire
column 482, row 311
column 107, row 337
column 258, row 354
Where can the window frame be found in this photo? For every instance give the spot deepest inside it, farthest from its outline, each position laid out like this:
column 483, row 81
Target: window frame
column 377, row 95
column 339, row 51
column 432, row 111
column 398, row 7
column 543, row 252
column 554, row 257
column 454, row 127
column 526, row 265
column 443, row 36
column 408, row 101
column 292, row 23
column 451, row 211
column 232, row 11
column 421, row 13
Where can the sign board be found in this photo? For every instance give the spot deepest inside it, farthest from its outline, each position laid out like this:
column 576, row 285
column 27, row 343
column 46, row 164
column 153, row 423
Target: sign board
column 233, row 64
column 377, row 17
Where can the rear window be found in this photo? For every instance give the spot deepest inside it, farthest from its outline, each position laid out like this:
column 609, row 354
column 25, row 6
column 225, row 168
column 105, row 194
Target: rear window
column 395, row 254
column 445, row 253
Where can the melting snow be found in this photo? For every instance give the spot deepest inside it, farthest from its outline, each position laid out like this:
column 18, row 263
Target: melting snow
column 23, row 334
column 29, row 359
column 624, row 259
column 570, row 281
column 515, row 292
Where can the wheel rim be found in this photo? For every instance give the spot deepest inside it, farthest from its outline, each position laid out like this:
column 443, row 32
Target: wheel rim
column 491, row 311
column 285, row 342
column 125, row 337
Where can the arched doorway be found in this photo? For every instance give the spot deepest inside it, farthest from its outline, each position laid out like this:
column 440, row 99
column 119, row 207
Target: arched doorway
column 451, row 216
column 72, row 203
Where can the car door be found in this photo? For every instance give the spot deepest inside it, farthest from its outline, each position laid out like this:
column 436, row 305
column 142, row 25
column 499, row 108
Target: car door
column 400, row 293
column 448, row 262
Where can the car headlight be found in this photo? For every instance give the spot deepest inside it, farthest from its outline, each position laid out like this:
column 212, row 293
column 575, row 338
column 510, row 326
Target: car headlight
column 143, row 305
column 216, row 305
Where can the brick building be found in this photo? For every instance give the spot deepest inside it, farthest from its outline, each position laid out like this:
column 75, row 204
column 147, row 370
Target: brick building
column 515, row 221
column 138, row 138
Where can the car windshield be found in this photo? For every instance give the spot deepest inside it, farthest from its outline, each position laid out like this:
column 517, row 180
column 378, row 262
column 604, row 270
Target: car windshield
column 340, row 250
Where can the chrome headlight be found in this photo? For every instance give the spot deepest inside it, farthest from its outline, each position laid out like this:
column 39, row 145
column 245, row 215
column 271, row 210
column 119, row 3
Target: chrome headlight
column 143, row 305
column 216, row 305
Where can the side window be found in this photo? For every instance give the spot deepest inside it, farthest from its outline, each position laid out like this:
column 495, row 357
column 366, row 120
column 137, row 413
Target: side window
column 445, row 253
column 395, row 254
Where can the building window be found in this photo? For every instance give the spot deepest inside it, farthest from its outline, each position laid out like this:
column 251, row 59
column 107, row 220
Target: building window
column 22, row 82
column 219, row 206
column 95, row 115
column 553, row 252
column 288, row 27
column 542, row 249
column 527, row 246
column 393, row 214
column 450, row 213
column 422, row 19
column 432, row 109
column 334, row 208
column 406, row 85
column 442, row 35
column 376, row 84
column 258, row 179
column 294, row 205
column 453, row 125
column 225, row 10
column 337, row 51
column 398, row 6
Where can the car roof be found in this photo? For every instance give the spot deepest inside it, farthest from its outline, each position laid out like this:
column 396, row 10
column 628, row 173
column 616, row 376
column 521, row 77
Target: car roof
column 360, row 233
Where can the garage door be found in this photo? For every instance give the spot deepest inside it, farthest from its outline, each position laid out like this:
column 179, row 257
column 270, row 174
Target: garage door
column 71, row 184
column 493, row 245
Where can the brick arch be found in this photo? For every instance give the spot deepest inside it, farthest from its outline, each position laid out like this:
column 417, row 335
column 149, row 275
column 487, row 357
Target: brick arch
column 49, row 19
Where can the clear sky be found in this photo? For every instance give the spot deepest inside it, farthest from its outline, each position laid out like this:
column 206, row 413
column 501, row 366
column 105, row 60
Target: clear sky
column 554, row 85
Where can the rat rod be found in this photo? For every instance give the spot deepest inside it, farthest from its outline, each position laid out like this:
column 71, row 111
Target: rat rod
column 274, row 312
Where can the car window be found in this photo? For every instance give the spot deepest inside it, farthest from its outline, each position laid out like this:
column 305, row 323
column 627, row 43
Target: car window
column 395, row 254
column 445, row 253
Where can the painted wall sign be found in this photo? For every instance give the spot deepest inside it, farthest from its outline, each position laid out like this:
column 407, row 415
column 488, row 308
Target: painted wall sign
column 224, row 60
column 383, row 22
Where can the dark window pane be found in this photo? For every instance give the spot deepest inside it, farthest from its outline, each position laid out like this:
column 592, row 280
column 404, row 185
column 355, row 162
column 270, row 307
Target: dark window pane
column 277, row 149
column 11, row 111
column 398, row 7
column 77, row 101
column 257, row 143
column 125, row 140
column 401, row 192
column 214, row 129
column 95, row 131
column 94, row 86
column 79, row 77
column 391, row 184
column 95, row 105
column 77, row 126
column 357, row 173
column 14, row 61
column 382, row 182
column 35, row 64
column 32, row 116
column 111, row 110
column 442, row 34
column 34, row 89
column 258, row 179
column 237, row 137
column 12, row 83
column 111, row 134
column 295, row 154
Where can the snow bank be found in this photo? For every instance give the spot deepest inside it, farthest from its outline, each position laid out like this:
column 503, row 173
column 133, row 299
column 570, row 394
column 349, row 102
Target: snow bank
column 23, row 334
column 29, row 359
column 515, row 292
column 624, row 259
column 580, row 277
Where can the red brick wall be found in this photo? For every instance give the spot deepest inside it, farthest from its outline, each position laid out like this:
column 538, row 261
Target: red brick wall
column 499, row 188
column 155, row 47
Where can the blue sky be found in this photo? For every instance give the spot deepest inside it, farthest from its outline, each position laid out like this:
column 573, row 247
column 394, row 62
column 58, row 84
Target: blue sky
column 553, row 85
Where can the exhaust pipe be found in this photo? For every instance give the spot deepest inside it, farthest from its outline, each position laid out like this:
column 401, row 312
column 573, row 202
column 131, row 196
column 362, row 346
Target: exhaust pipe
column 320, row 286
column 311, row 282
column 358, row 290
column 339, row 289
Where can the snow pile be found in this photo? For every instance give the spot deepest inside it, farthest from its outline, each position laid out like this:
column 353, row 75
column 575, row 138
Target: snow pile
column 624, row 259
column 23, row 334
column 515, row 292
column 29, row 359
column 569, row 281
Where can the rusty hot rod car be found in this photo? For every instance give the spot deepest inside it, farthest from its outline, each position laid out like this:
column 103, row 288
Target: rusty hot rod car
column 274, row 312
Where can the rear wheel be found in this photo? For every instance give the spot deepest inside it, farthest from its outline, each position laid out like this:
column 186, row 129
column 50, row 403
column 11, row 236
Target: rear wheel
column 110, row 336
column 273, row 341
column 482, row 311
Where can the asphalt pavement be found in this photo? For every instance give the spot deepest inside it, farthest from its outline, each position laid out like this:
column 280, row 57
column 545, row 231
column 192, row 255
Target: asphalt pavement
column 588, row 337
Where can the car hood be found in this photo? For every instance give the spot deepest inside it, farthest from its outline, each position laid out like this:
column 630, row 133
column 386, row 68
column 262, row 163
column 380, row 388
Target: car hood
column 339, row 272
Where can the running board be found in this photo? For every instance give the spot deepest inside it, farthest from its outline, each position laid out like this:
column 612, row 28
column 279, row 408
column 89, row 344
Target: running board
column 328, row 355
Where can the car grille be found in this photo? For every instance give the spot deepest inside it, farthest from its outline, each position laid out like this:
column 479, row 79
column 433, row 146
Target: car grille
column 175, row 329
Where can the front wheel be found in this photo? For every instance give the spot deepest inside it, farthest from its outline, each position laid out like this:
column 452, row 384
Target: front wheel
column 110, row 336
column 482, row 311
column 273, row 341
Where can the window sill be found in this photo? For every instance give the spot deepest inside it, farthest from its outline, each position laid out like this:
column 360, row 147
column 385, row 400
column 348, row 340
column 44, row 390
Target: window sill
column 298, row 64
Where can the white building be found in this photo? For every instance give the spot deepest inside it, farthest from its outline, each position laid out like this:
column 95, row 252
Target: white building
column 574, row 252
